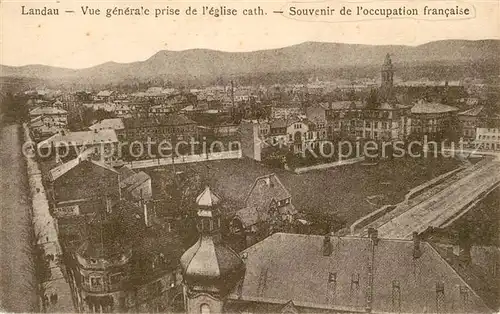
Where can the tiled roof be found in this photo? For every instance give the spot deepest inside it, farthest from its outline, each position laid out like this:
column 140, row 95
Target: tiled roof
column 47, row 111
column 249, row 216
column 286, row 267
column 427, row 107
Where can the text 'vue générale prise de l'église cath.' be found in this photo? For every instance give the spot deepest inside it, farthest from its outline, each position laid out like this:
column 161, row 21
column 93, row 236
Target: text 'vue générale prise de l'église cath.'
column 87, row 10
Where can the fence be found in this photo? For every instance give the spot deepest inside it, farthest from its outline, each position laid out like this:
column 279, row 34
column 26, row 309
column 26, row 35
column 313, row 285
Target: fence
column 232, row 154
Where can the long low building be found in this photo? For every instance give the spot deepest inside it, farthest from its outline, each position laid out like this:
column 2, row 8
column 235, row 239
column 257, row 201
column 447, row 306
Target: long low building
column 170, row 127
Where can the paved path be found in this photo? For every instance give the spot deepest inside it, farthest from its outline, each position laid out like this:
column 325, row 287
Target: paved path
column 442, row 206
column 45, row 228
column 17, row 292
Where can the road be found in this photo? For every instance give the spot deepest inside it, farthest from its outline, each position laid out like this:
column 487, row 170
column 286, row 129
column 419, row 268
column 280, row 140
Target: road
column 17, row 279
column 443, row 205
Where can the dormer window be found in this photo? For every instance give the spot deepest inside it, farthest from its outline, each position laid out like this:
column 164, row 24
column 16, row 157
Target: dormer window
column 95, row 282
column 284, row 202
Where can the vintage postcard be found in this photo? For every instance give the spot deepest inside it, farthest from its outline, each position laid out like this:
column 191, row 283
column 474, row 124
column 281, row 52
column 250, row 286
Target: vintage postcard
column 256, row 156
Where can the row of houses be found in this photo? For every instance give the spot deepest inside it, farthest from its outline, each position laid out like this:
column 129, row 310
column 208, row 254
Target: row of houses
column 119, row 255
column 354, row 120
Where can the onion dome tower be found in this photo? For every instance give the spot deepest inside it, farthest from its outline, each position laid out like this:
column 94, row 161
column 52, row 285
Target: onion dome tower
column 210, row 269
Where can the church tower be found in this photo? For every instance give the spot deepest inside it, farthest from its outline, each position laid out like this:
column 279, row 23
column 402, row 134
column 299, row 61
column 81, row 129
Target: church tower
column 211, row 270
column 387, row 75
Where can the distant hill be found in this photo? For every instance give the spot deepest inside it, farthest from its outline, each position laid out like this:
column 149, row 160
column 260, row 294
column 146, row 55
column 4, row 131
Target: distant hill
column 204, row 64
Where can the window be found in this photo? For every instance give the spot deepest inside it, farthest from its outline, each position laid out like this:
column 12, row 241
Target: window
column 204, row 309
column 396, row 296
column 115, row 278
column 332, row 277
column 95, row 282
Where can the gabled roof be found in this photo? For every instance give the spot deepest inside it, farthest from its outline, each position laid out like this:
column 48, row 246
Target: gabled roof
column 36, row 119
column 104, row 93
column 286, row 267
column 473, row 112
column 47, row 111
column 62, row 169
column 132, row 182
column 80, row 138
column 125, row 172
column 115, row 124
column 427, row 107
column 268, row 186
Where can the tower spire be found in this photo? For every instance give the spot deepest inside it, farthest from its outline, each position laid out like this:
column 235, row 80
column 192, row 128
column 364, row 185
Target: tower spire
column 387, row 78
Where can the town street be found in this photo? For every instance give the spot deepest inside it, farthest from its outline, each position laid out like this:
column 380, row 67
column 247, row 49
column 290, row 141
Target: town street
column 17, row 292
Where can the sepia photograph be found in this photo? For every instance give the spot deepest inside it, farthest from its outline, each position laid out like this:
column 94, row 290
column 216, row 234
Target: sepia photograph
column 249, row 156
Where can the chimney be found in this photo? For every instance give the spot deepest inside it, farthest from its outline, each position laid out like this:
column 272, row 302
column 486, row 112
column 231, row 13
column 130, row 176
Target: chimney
column 416, row 245
column 327, row 246
column 146, row 217
column 95, row 130
column 244, row 256
column 373, row 234
column 464, row 255
column 108, row 205
column 449, row 253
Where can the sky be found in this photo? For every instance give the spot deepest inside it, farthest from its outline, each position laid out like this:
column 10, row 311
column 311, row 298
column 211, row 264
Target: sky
column 74, row 40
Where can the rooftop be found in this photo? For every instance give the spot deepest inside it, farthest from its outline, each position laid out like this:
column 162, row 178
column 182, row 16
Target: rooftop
column 47, row 111
column 286, row 267
column 60, row 170
column 432, row 107
column 207, row 198
column 168, row 120
column 80, row 138
column 473, row 112
column 115, row 124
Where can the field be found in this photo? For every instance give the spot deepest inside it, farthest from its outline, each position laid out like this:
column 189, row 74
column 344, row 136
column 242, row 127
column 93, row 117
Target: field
column 349, row 191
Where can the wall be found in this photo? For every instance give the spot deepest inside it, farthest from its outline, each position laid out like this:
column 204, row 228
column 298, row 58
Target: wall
column 250, row 143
